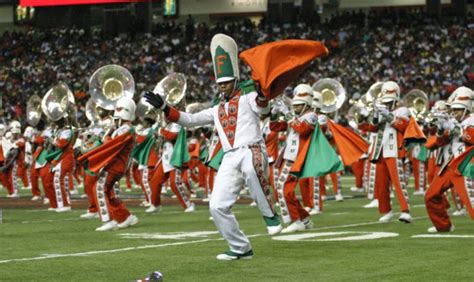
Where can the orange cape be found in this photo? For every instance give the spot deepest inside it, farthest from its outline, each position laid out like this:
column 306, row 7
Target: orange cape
column 350, row 145
column 275, row 65
column 101, row 156
column 414, row 133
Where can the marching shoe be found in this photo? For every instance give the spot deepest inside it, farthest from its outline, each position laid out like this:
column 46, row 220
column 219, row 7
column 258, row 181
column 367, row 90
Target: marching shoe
column 205, row 200
column 83, row 196
column 419, row 193
column 13, row 195
column 153, row 209
column 230, row 255
column 386, row 217
column 392, row 195
column 130, row 221
column 51, row 209
column 63, row 209
column 111, row 225
column 45, row 201
column 90, row 215
column 273, row 230
column 357, row 189
column 314, row 211
column 294, row 227
column 339, row 197
column 308, row 209
column 253, row 204
column 36, row 198
column 433, row 229
column 405, row 217
column 74, row 192
column 461, row 212
column 308, row 224
column 27, row 188
column 373, row 204
column 191, row 208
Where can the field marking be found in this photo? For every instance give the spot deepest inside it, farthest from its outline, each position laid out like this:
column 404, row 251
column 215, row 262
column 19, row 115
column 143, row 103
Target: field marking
column 441, row 236
column 359, row 235
column 339, row 213
column 168, row 236
column 90, row 253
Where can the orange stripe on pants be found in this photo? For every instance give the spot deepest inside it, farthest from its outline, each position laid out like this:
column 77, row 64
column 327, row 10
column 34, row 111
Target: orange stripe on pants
column 297, row 212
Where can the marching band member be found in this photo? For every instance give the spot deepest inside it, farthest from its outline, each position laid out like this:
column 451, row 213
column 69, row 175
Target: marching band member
column 387, row 152
column 244, row 159
column 109, row 162
column 14, row 160
column 458, row 135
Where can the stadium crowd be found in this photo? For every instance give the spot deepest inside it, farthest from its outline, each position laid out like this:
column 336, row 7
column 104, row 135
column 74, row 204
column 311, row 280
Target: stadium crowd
column 416, row 50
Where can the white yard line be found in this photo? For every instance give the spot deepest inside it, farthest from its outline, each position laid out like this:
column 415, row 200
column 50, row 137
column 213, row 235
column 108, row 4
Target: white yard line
column 91, row 253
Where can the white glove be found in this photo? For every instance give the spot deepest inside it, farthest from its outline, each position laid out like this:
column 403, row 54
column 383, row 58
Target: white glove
column 322, row 119
column 364, row 112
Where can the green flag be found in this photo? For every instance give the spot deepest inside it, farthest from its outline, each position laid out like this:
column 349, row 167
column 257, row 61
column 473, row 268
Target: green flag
column 466, row 168
column 141, row 152
column 423, row 154
column 217, row 159
column 321, row 158
column 54, row 155
column 180, row 154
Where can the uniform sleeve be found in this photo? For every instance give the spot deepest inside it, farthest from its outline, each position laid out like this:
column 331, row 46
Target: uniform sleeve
column 189, row 120
column 468, row 136
column 259, row 107
column 63, row 140
column 368, row 127
column 305, row 127
column 400, row 124
column 278, row 126
column 168, row 135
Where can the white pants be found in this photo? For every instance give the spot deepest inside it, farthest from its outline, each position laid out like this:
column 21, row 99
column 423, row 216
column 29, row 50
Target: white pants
column 237, row 168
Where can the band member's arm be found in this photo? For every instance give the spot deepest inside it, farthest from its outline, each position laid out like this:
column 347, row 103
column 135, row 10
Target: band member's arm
column 468, row 136
column 63, row 140
column 168, row 135
column 258, row 103
column 189, row 120
column 11, row 157
column 278, row 126
column 368, row 127
column 302, row 128
column 400, row 124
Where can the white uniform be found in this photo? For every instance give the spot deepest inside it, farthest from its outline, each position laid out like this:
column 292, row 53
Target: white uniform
column 168, row 147
column 238, row 166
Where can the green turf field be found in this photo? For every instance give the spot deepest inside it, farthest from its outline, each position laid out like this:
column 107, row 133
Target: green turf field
column 37, row 245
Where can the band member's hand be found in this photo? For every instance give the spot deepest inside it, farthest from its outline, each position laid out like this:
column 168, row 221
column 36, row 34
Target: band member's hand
column 155, row 100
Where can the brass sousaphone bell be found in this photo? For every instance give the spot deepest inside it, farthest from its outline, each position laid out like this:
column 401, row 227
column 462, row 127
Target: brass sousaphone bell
column 33, row 110
column 58, row 102
column 333, row 94
column 172, row 88
column 145, row 109
column 92, row 114
column 417, row 102
column 110, row 83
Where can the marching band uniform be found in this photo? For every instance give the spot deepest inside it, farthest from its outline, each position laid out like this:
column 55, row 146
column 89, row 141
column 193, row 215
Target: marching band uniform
column 458, row 138
column 109, row 162
column 244, row 155
column 387, row 154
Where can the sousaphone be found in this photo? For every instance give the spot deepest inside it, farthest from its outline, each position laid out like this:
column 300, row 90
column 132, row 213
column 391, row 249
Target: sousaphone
column 333, row 94
column 172, row 88
column 33, row 110
column 417, row 102
column 110, row 83
column 58, row 102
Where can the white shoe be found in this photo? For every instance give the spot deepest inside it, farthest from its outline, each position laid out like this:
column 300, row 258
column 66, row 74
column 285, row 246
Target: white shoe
column 373, row 204
column 357, row 189
column 144, row 203
column 419, row 193
column 14, row 195
column 130, row 221
column 294, row 227
column 111, row 225
column 205, row 200
column 308, row 224
column 273, row 230
column 277, row 204
column 191, row 208
column 45, row 201
column 36, row 198
column 27, row 188
column 193, row 196
column 63, row 209
column 339, row 198
column 153, row 209
column 211, row 219
column 461, row 212
column 51, row 209
column 174, row 196
column 405, row 217
column 314, row 211
column 89, row 215
column 392, row 195
column 386, row 217
column 74, row 192
column 433, row 229
column 308, row 209
column 253, row 204
column 234, row 256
